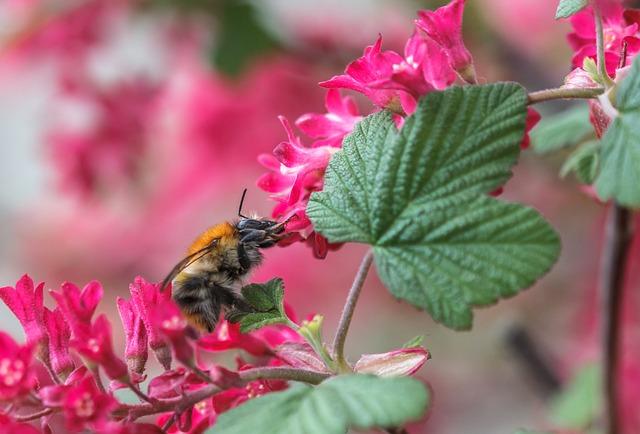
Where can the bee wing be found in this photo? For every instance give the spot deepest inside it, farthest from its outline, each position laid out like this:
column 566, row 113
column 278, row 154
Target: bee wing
column 184, row 264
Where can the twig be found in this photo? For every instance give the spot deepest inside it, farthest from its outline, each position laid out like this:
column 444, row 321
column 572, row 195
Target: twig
column 614, row 258
column 139, row 393
column 563, row 93
column 181, row 404
column 33, row 416
column 349, row 307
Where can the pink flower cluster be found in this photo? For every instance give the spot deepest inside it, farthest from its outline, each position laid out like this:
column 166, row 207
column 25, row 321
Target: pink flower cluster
column 76, row 349
column 434, row 57
column 621, row 29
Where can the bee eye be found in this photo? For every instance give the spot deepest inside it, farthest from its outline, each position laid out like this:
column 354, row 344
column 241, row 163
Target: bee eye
column 214, row 242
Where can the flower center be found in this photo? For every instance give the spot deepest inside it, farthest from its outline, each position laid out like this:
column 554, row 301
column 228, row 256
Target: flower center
column 174, row 323
column 93, row 345
column 11, row 371
column 84, row 406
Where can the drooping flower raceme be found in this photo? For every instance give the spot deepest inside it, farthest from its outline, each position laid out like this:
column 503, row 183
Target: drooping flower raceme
column 434, row 57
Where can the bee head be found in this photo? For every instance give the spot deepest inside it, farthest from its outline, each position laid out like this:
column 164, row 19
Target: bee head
column 262, row 233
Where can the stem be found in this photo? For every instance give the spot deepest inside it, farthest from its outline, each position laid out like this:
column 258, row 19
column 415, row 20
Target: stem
column 602, row 66
column 183, row 403
column 33, row 416
column 614, row 258
column 349, row 307
column 139, row 392
column 563, row 93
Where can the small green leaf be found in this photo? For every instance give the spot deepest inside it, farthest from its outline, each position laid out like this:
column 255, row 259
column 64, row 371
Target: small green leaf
column 619, row 176
column 583, row 162
column 577, row 407
column 566, row 8
column 420, row 198
column 265, row 297
column 415, row 342
column 562, row 130
column 264, row 306
column 254, row 321
column 337, row 404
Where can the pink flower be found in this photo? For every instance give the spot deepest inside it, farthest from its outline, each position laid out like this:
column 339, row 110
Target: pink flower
column 444, row 26
column 194, row 421
column 170, row 322
column 77, row 306
column 16, row 377
column 406, row 361
column 424, row 68
column 135, row 352
column 97, row 347
column 85, row 406
column 10, row 425
column 330, row 128
column 26, row 303
column 533, row 117
column 145, row 297
column 619, row 27
column 227, row 336
column 59, row 335
column 364, row 74
column 296, row 172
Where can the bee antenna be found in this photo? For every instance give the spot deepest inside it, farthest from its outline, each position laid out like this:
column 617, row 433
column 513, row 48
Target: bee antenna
column 244, row 193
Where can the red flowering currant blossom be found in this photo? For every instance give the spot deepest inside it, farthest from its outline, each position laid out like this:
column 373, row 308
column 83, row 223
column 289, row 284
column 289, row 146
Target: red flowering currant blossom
column 16, row 376
column 169, row 321
column 145, row 297
column 97, row 347
column 77, row 306
column 26, row 303
column 135, row 352
column 444, row 26
column 620, row 26
column 227, row 336
column 296, row 172
column 533, row 117
column 330, row 128
column 85, row 405
column 59, row 336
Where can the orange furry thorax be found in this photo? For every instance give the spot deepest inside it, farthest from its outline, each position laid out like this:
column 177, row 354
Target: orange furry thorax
column 226, row 233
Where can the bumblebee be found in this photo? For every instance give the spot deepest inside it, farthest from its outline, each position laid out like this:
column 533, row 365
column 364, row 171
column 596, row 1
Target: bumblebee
column 204, row 283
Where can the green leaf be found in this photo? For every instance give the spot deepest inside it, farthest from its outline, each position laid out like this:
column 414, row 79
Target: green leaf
column 619, row 176
column 583, row 162
column 241, row 38
column 577, row 407
column 419, row 196
column 562, row 130
column 566, row 8
column 264, row 306
column 265, row 297
column 337, row 404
